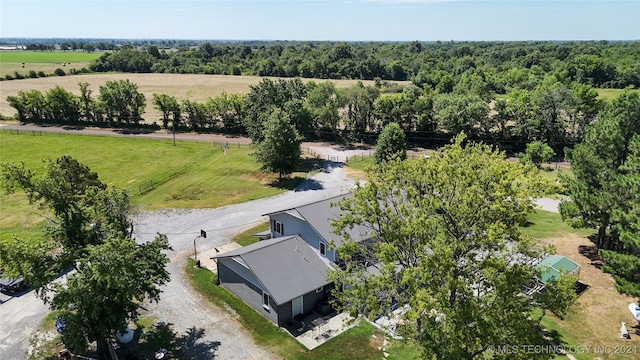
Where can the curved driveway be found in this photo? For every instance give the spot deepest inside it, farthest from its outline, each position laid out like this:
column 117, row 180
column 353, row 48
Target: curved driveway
column 184, row 308
column 212, row 331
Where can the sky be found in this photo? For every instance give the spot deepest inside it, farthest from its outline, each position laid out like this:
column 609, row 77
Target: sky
column 313, row 20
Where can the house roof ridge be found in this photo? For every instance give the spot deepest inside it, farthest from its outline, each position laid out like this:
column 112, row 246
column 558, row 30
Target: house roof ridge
column 255, row 246
column 308, row 204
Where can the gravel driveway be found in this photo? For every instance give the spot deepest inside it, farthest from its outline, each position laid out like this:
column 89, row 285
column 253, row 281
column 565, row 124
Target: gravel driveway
column 212, row 331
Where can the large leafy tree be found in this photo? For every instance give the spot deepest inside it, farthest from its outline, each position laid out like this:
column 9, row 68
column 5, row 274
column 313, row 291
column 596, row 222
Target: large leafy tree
column 391, row 144
column 536, row 153
column 280, row 150
column 286, row 95
column 444, row 240
column 88, row 230
column 605, row 188
column 360, row 110
column 323, row 102
column 122, row 101
column 169, row 106
column 456, row 113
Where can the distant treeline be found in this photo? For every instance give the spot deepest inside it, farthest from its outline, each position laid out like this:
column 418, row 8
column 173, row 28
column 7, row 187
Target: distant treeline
column 498, row 66
column 552, row 112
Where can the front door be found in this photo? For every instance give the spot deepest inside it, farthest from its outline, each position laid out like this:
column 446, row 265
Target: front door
column 296, row 306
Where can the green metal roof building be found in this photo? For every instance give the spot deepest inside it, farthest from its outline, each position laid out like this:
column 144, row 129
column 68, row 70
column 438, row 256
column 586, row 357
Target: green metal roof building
column 553, row 265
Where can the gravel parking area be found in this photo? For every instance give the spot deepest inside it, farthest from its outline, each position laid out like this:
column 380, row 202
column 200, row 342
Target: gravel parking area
column 220, row 334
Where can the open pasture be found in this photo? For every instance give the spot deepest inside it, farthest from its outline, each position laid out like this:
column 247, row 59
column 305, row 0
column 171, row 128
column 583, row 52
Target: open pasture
column 194, row 87
column 189, row 175
column 45, row 61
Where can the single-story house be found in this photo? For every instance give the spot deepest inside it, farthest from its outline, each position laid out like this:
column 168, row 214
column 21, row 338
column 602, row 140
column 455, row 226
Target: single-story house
column 280, row 278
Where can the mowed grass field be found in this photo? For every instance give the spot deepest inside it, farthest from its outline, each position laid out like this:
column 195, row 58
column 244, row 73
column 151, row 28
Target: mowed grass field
column 45, row 61
column 195, row 174
column 193, row 87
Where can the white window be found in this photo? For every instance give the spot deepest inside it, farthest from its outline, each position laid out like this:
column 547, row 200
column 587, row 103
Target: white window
column 323, row 249
column 265, row 300
column 277, row 227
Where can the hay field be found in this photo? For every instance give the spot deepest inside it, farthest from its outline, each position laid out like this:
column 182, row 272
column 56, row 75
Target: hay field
column 194, row 87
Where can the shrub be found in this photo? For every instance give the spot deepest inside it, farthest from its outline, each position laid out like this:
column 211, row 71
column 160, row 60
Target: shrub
column 59, row 72
column 33, row 74
column 8, row 77
column 18, row 76
column 41, row 74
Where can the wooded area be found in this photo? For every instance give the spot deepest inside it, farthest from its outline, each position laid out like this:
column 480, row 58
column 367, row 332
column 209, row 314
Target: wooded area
column 499, row 66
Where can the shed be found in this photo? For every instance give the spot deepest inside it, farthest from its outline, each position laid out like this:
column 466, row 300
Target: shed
column 551, row 267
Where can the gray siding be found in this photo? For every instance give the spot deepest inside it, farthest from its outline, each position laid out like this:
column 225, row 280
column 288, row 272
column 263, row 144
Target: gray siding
column 251, row 293
column 285, row 312
column 245, row 290
column 295, row 226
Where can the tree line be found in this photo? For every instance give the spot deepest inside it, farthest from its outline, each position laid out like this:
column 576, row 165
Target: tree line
column 553, row 112
column 119, row 103
column 500, row 66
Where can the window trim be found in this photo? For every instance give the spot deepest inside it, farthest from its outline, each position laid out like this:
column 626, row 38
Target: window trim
column 277, row 227
column 321, row 246
column 265, row 300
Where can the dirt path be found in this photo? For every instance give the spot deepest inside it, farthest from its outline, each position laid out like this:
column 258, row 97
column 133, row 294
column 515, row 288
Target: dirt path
column 601, row 309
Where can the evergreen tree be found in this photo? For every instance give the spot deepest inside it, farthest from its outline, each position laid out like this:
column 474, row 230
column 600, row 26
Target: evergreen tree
column 605, row 189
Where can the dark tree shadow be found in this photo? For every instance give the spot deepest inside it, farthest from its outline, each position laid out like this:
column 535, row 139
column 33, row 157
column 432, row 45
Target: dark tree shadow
column 162, row 336
column 591, row 253
column 192, row 348
column 553, row 336
column 73, row 127
column 309, row 184
column 527, row 224
column 328, row 166
column 287, row 183
column 135, row 131
column 308, row 164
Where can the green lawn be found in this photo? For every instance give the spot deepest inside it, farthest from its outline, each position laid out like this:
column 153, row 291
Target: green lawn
column 549, row 225
column 45, row 61
column 247, row 238
column 352, row 344
column 361, row 163
column 189, row 175
column 47, row 56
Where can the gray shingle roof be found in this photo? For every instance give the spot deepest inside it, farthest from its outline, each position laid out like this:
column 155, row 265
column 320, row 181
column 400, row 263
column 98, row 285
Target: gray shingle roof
column 319, row 216
column 287, row 266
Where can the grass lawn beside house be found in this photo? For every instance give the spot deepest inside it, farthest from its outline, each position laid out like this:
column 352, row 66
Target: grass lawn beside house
column 355, row 343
